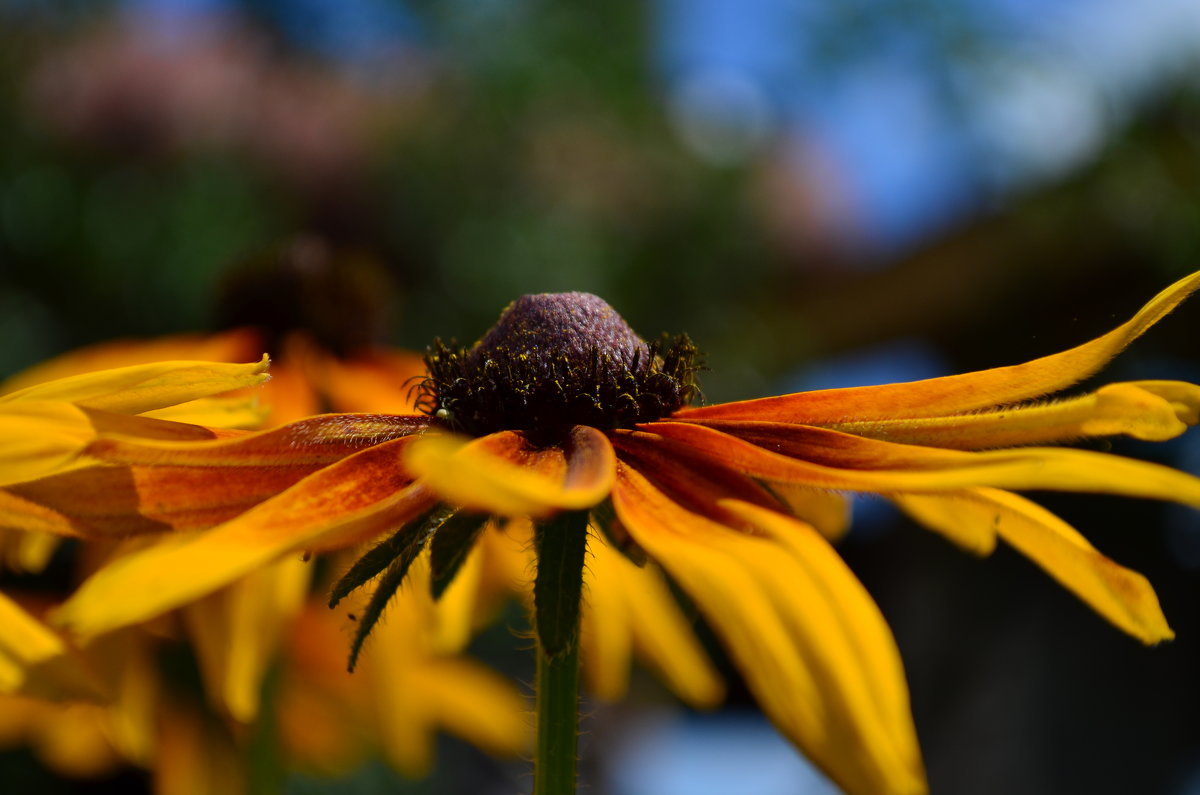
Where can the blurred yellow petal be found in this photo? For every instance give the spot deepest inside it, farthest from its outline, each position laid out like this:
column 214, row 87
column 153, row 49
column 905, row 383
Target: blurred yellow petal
column 24, row 552
column 353, row 499
column 236, row 632
column 373, row 380
column 1150, row 410
column 35, row 660
column 24, row 643
column 197, row 756
column 289, row 395
column 831, row 459
column 805, row 664
column 74, row 740
column 146, row 387
column 1120, row 595
column 504, row 474
column 475, row 704
column 454, row 622
column 956, row 393
column 627, row 606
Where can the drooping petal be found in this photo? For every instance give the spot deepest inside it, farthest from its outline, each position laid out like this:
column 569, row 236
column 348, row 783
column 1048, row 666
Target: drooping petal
column 957, row 393
column 342, row 504
column 503, row 474
column 831, row 459
column 1120, row 595
column 799, row 629
column 146, row 387
column 1150, row 410
column 869, row 645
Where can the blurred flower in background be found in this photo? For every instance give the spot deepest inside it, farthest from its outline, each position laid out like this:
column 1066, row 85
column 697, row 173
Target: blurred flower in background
column 833, row 176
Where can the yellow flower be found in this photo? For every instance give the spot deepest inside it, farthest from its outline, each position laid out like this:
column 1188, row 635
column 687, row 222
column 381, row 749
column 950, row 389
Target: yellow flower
column 306, row 378
column 571, row 412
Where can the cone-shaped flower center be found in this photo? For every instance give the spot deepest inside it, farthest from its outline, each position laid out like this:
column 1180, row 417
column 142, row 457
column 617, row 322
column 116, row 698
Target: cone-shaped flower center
column 553, row 361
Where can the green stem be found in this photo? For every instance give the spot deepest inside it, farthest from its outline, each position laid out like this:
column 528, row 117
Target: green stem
column 557, row 722
column 561, row 544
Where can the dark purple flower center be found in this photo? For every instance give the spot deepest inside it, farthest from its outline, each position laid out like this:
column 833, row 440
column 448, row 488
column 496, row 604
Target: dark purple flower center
column 553, row 361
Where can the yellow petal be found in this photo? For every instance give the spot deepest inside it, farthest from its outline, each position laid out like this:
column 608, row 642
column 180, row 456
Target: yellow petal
column 146, row 387
column 24, row 643
column 217, row 412
column 475, row 704
column 1120, row 595
column 503, row 474
column 35, row 660
column 828, row 511
column 342, row 504
column 197, row 756
column 314, row 440
column 627, row 606
column 111, row 501
column 40, row 437
column 374, row 380
column 236, row 631
column 830, row 459
column 812, row 648
column 955, row 516
column 238, row 345
column 1149, row 410
column 24, row 552
column 957, row 393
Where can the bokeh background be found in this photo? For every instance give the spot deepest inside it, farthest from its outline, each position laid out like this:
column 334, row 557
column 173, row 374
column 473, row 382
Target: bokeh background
column 821, row 193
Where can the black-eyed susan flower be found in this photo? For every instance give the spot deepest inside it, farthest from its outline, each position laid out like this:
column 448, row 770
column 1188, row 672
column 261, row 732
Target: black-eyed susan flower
column 563, row 415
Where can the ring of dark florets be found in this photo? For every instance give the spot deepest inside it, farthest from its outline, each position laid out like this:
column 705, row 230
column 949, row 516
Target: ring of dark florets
column 545, row 393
